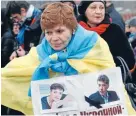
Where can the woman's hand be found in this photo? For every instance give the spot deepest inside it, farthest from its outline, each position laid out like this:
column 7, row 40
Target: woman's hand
column 21, row 51
column 18, row 53
column 13, row 55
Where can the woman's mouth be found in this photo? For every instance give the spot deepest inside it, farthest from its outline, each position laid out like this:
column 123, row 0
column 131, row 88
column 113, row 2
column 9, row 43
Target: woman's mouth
column 56, row 45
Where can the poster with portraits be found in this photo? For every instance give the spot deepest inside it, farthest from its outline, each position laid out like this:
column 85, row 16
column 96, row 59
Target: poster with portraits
column 99, row 93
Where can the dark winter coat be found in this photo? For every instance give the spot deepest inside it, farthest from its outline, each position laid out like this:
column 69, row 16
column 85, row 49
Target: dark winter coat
column 119, row 45
column 5, row 22
column 8, row 45
column 32, row 35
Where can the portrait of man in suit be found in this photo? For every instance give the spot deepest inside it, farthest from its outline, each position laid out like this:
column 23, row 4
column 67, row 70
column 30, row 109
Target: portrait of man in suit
column 103, row 95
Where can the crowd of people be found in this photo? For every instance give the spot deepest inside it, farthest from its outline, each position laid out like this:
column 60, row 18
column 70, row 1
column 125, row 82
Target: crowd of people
column 91, row 34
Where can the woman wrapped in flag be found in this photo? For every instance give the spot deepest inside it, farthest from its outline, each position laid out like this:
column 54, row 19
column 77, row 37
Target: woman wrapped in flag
column 67, row 49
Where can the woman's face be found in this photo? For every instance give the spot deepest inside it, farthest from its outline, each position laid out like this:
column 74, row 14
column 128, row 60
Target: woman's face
column 58, row 37
column 56, row 94
column 15, row 28
column 95, row 13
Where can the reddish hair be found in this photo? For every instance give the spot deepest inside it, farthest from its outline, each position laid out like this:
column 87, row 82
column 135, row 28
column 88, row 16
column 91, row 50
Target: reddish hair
column 58, row 14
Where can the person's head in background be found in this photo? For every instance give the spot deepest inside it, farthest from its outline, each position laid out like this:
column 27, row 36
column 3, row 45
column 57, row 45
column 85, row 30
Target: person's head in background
column 108, row 3
column 44, row 6
column 132, row 25
column 17, row 10
column 103, row 84
column 56, row 92
column 127, row 29
column 59, row 23
column 72, row 4
column 94, row 11
column 127, row 26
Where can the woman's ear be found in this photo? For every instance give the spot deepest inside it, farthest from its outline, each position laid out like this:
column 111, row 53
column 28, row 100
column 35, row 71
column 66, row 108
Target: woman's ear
column 73, row 32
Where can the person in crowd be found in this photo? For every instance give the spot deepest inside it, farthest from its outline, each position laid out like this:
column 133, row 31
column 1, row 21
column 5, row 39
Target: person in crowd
column 132, row 28
column 132, row 40
column 44, row 6
column 94, row 18
column 116, row 18
column 6, row 24
column 29, row 18
column 104, row 96
column 127, row 29
column 9, row 45
column 66, row 47
column 72, row 4
column 7, row 37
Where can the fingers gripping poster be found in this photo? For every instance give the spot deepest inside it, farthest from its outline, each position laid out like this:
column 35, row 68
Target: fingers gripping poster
column 90, row 94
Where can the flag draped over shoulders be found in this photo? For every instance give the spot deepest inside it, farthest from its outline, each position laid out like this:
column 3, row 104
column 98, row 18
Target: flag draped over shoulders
column 86, row 52
column 86, row 48
column 15, row 80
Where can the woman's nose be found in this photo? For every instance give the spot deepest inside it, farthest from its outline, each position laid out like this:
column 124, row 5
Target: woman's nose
column 54, row 37
column 98, row 10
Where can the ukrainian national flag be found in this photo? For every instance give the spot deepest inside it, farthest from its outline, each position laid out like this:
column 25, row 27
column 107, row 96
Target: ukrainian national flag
column 86, row 52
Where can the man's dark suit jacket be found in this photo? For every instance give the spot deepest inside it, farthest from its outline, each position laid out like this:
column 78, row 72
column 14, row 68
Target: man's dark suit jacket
column 112, row 96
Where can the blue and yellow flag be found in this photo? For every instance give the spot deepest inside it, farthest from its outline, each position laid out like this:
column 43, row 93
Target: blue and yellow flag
column 85, row 48
column 86, row 52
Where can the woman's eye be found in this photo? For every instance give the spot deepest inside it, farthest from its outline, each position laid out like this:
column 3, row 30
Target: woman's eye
column 101, row 7
column 48, row 33
column 92, row 7
column 60, row 31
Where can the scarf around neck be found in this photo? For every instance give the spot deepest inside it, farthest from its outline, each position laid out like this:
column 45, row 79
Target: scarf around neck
column 20, row 36
column 81, row 43
column 100, row 29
